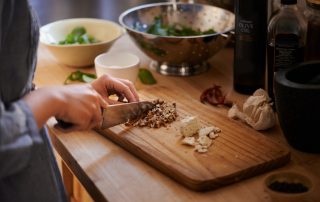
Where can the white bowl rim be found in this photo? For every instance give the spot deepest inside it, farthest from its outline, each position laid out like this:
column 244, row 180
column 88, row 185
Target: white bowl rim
column 115, row 67
column 121, row 31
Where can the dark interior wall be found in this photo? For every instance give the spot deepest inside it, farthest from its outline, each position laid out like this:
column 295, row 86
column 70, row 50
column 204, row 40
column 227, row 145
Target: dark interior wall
column 52, row 10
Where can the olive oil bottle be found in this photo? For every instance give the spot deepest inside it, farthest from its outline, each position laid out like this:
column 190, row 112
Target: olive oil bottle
column 250, row 45
column 313, row 31
column 286, row 40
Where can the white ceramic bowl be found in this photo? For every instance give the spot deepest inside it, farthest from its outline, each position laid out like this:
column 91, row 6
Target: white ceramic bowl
column 79, row 55
column 118, row 64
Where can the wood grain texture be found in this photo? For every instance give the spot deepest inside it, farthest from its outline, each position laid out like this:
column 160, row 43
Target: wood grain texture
column 110, row 173
column 238, row 153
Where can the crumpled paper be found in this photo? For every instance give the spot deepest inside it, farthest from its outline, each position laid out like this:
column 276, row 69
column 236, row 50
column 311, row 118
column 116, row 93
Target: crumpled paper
column 256, row 111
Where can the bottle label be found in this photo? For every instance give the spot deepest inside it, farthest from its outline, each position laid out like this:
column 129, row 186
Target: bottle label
column 246, row 29
column 245, row 26
column 287, row 51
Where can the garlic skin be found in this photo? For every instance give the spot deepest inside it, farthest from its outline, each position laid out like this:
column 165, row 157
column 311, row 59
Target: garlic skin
column 256, row 112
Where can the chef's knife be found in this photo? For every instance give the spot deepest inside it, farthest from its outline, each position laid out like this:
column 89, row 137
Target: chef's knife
column 118, row 113
column 122, row 113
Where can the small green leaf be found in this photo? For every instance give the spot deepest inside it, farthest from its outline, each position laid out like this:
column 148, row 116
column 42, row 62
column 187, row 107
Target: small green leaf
column 70, row 39
column 79, row 31
column 80, row 76
column 146, row 76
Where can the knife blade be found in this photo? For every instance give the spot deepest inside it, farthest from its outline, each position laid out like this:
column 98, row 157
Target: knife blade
column 121, row 113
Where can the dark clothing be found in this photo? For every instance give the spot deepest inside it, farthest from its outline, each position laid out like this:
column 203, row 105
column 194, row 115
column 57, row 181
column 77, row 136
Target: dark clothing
column 28, row 169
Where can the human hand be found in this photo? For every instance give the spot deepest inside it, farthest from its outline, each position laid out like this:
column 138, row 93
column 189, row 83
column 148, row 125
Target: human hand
column 77, row 104
column 107, row 85
column 81, row 107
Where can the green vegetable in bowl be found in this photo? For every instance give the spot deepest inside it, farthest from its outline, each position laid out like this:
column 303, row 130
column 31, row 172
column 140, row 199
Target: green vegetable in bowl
column 161, row 29
column 78, row 36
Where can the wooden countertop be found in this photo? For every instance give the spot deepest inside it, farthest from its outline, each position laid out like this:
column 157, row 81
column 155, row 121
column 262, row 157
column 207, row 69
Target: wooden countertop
column 110, row 173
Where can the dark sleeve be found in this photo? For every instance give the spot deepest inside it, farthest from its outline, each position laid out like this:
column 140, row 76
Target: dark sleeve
column 18, row 43
column 18, row 133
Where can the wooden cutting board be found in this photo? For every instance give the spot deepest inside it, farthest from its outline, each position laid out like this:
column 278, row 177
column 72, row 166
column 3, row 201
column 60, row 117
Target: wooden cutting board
column 238, row 153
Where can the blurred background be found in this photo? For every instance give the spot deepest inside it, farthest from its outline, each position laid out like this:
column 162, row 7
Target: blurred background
column 52, row 10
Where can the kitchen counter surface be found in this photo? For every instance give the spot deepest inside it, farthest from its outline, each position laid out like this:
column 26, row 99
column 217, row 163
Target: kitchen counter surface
column 109, row 173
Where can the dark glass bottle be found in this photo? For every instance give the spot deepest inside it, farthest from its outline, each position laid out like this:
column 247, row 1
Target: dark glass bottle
column 313, row 32
column 250, row 45
column 286, row 40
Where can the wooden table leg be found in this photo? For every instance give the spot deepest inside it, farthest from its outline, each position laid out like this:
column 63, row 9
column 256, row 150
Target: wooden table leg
column 67, row 180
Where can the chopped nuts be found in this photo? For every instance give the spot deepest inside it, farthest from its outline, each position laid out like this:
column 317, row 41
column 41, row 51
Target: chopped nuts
column 162, row 114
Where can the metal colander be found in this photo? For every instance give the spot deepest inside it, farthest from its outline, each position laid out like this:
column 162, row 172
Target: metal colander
column 179, row 55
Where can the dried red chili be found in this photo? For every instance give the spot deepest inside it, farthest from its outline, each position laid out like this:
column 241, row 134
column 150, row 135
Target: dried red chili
column 214, row 96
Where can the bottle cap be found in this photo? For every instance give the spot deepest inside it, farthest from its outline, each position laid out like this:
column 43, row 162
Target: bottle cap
column 288, row 2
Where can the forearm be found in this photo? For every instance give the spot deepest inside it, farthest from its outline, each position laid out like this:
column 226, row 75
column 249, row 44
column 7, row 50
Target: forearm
column 44, row 103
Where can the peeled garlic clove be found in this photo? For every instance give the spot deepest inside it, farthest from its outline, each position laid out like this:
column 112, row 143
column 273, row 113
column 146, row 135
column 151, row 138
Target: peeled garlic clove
column 233, row 112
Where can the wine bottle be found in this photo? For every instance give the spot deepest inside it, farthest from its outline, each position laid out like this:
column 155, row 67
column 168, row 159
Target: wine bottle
column 250, row 45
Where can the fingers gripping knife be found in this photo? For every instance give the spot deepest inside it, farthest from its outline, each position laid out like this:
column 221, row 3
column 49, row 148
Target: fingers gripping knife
column 118, row 114
column 122, row 113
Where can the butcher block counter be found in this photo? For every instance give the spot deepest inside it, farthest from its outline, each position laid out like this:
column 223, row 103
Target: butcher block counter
column 123, row 164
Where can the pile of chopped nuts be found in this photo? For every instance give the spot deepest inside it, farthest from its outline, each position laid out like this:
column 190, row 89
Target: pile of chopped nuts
column 161, row 115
